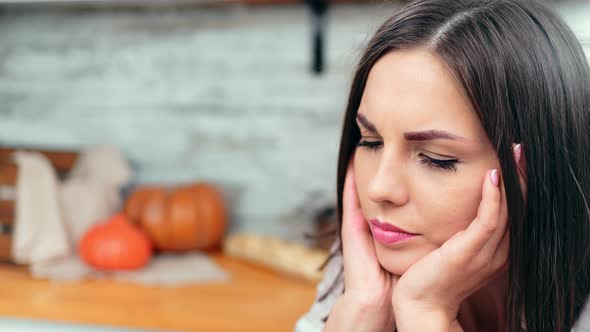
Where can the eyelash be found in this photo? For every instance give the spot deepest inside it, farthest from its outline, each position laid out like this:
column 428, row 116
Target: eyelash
column 436, row 164
column 371, row 145
column 439, row 164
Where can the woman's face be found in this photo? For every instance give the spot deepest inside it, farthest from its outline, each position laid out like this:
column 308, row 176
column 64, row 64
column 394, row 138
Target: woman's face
column 422, row 158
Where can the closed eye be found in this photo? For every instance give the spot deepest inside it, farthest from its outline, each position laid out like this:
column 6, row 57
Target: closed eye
column 371, row 145
column 439, row 164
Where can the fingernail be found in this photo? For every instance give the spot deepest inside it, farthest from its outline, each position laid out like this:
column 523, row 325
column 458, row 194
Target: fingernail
column 495, row 177
column 517, row 152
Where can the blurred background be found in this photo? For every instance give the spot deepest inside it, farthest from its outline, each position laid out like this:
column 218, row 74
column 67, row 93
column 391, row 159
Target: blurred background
column 228, row 111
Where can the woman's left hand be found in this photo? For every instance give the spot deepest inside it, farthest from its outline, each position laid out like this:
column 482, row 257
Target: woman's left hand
column 428, row 296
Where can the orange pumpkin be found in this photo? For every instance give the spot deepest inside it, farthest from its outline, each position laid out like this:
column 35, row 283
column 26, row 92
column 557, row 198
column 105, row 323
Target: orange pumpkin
column 115, row 245
column 185, row 218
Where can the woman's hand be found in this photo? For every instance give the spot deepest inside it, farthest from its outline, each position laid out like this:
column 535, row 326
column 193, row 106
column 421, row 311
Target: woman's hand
column 366, row 303
column 428, row 296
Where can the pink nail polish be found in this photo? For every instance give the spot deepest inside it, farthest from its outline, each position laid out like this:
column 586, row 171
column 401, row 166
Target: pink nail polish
column 517, row 152
column 495, row 177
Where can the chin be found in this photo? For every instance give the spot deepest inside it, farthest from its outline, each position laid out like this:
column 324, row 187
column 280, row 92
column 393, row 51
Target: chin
column 397, row 261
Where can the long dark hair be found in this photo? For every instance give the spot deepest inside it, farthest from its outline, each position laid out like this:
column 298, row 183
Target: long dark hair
column 527, row 78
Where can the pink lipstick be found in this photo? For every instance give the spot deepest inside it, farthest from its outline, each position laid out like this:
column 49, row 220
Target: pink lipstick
column 387, row 233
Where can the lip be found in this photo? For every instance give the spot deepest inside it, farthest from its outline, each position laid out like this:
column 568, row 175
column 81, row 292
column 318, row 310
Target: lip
column 388, row 234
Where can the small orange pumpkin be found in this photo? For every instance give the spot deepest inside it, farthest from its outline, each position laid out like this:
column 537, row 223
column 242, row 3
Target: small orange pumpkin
column 185, row 218
column 115, row 245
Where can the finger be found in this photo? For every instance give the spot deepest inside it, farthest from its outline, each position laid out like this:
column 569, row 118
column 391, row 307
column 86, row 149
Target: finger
column 485, row 225
column 502, row 224
column 522, row 172
column 351, row 210
column 357, row 243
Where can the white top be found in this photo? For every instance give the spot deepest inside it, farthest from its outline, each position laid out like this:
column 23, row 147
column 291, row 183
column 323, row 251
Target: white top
column 312, row 321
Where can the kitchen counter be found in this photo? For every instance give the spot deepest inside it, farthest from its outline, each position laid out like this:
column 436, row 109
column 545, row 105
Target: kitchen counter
column 256, row 299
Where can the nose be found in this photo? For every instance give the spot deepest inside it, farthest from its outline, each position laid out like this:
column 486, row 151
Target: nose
column 388, row 185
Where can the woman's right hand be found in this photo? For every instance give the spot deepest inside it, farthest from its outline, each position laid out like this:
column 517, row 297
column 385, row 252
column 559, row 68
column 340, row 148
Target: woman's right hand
column 366, row 304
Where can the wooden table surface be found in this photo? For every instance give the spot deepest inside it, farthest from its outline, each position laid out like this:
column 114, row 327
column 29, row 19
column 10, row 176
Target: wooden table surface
column 256, row 299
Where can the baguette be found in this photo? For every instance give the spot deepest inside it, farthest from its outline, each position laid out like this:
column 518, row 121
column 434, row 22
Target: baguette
column 279, row 254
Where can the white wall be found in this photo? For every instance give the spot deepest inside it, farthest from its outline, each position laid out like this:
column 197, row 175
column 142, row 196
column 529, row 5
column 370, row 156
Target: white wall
column 221, row 94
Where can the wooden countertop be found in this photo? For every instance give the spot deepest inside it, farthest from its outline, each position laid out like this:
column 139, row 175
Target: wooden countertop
column 257, row 299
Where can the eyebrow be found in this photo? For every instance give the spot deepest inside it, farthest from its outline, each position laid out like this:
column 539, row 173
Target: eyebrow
column 366, row 123
column 426, row 135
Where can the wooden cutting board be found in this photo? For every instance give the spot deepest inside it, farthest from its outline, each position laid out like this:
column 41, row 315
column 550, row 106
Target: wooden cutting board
column 256, row 300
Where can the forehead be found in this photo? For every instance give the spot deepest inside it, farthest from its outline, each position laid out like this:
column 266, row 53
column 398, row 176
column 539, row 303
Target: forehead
column 410, row 90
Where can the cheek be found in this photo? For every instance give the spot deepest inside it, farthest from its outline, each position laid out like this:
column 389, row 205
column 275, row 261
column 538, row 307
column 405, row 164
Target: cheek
column 447, row 208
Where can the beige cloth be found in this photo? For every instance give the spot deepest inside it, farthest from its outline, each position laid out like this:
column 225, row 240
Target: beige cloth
column 39, row 234
column 169, row 270
column 52, row 217
column 91, row 192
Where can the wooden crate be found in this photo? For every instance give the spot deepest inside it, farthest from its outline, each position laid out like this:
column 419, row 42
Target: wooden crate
column 62, row 161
